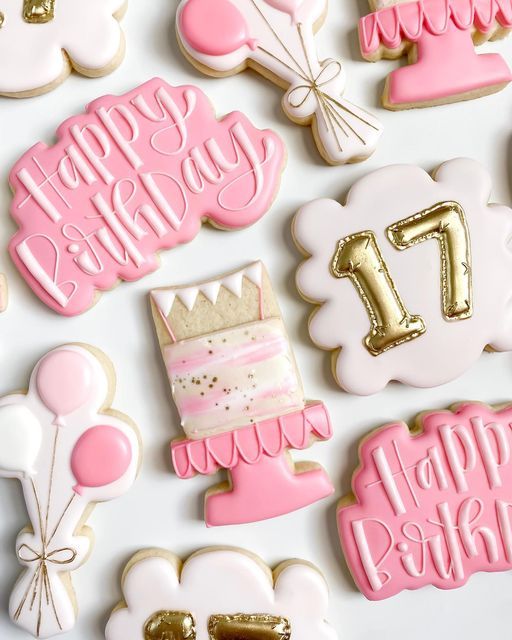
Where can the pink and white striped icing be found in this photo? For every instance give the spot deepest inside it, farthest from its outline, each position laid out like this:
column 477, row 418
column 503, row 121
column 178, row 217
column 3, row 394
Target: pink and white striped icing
column 233, row 378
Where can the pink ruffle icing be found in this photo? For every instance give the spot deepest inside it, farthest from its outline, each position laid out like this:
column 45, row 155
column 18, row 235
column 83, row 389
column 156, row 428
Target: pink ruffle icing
column 248, row 444
column 399, row 22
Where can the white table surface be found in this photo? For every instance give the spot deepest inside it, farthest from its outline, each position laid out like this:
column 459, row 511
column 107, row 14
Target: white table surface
column 162, row 510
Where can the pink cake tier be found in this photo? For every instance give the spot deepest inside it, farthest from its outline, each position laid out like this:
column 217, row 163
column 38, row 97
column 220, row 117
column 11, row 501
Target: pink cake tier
column 250, row 444
column 446, row 66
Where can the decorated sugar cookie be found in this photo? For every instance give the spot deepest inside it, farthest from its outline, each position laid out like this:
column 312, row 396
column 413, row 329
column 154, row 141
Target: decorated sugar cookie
column 412, row 275
column 3, row 293
column 431, row 505
column 439, row 37
column 41, row 41
column 277, row 39
column 135, row 174
column 69, row 451
column 220, row 594
column 236, row 386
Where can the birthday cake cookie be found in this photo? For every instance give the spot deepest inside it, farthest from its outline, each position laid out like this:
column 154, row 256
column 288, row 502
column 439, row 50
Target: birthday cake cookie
column 42, row 41
column 134, row 175
column 438, row 37
column 411, row 275
column 235, row 384
column 219, row 593
column 431, row 505
column 277, row 39
column 69, row 450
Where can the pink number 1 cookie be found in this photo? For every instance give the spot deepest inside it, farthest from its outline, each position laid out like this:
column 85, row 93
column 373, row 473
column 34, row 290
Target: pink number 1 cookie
column 238, row 392
column 439, row 37
column 134, row 175
column 276, row 38
column 41, row 41
column 69, row 451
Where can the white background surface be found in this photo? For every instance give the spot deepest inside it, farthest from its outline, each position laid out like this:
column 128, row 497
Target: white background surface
column 162, row 510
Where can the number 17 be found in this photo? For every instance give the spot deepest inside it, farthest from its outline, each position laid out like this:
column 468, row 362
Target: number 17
column 358, row 257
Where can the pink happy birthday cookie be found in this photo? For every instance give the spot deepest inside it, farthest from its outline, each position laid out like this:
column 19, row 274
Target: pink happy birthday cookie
column 431, row 505
column 135, row 174
column 439, row 37
column 276, row 38
column 69, row 450
column 411, row 275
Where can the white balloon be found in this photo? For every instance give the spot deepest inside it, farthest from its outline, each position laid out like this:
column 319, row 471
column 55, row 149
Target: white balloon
column 20, row 438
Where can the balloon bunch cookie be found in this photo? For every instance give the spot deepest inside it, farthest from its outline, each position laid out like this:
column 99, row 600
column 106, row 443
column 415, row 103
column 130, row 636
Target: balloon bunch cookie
column 431, row 505
column 69, row 451
column 438, row 37
column 42, row 41
column 411, row 275
column 277, row 39
column 219, row 594
column 135, row 174
column 238, row 392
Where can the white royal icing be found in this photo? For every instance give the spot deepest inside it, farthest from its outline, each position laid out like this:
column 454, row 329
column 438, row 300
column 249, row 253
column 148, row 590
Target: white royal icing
column 446, row 348
column 35, row 55
column 222, row 581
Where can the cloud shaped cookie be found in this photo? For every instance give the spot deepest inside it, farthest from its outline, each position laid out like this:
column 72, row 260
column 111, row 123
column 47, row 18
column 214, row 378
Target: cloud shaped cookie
column 412, row 275
column 219, row 589
column 42, row 40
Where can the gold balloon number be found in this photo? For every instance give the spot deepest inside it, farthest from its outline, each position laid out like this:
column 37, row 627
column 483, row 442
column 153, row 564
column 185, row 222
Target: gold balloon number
column 180, row 625
column 38, row 11
column 359, row 258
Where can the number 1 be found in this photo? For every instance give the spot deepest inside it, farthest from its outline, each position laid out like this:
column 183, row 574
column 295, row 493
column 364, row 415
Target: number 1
column 358, row 257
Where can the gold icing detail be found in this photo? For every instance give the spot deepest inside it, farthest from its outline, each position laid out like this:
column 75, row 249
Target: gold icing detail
column 170, row 625
column 241, row 626
column 38, row 11
column 446, row 223
column 358, row 257
column 2, row 19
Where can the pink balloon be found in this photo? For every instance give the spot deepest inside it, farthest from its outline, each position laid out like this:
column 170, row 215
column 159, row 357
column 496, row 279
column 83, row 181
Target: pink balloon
column 292, row 7
column 64, row 382
column 101, row 456
column 214, row 27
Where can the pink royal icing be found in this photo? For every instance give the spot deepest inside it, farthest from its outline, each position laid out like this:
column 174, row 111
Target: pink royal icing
column 136, row 174
column 442, row 30
column 432, row 508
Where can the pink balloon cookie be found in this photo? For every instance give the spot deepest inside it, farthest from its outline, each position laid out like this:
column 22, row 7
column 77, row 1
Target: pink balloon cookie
column 412, row 275
column 135, row 174
column 42, row 41
column 276, row 38
column 220, row 594
column 238, row 392
column 431, row 505
column 68, row 451
column 439, row 37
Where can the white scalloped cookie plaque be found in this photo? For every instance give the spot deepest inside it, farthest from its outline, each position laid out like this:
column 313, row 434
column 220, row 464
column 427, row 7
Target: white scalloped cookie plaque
column 219, row 594
column 42, row 41
column 412, row 275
